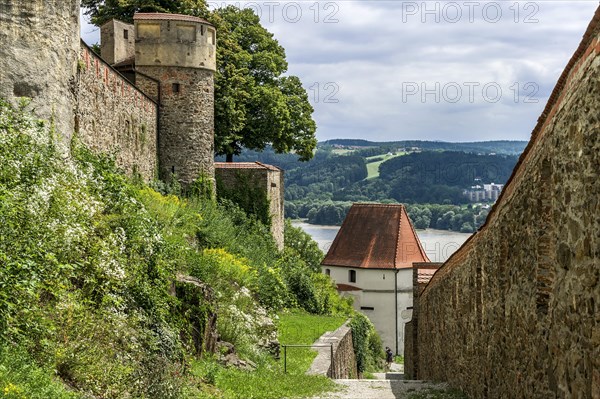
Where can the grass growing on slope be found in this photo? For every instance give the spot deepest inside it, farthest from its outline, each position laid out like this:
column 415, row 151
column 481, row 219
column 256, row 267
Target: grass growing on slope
column 20, row 379
column 305, row 329
column 269, row 380
column 87, row 262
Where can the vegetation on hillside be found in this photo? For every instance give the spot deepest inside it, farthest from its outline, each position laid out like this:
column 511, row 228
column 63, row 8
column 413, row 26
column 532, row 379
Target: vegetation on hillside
column 88, row 258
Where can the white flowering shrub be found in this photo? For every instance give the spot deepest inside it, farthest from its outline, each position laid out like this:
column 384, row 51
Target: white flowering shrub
column 83, row 283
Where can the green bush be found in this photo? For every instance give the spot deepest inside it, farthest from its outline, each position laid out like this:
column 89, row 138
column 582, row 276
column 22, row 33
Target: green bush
column 366, row 343
column 20, row 379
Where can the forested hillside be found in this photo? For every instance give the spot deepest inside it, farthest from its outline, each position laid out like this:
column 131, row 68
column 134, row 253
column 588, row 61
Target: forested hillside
column 426, row 175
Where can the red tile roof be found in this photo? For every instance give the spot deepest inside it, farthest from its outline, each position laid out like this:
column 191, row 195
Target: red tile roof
column 347, row 287
column 245, row 165
column 376, row 236
column 159, row 16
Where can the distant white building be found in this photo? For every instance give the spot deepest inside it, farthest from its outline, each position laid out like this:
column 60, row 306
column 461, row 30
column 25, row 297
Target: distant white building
column 486, row 192
column 371, row 260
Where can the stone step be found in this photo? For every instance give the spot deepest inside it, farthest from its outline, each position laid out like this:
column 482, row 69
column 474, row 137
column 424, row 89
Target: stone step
column 389, row 376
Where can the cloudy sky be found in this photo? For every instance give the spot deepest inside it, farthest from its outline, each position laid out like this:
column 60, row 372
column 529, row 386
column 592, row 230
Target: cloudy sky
column 429, row 70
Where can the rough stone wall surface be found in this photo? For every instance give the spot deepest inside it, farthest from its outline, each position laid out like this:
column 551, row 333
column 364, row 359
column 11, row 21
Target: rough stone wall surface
column 409, row 351
column 39, row 47
column 275, row 195
column 515, row 313
column 114, row 117
column 263, row 179
column 186, row 140
column 344, row 359
column 421, row 274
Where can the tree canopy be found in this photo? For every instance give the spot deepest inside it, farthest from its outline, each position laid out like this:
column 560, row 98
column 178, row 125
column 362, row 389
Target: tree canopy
column 255, row 103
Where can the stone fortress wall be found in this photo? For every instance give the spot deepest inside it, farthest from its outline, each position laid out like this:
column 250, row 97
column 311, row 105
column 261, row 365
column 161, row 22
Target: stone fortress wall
column 515, row 312
column 234, row 176
column 114, row 116
column 39, row 49
column 43, row 58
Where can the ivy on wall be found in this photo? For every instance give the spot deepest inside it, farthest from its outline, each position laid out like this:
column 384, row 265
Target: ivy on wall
column 247, row 194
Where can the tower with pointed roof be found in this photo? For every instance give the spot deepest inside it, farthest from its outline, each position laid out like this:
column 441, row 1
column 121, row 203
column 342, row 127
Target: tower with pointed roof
column 371, row 260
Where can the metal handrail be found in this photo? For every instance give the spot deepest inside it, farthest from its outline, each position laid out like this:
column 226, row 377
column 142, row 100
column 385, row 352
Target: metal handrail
column 285, row 346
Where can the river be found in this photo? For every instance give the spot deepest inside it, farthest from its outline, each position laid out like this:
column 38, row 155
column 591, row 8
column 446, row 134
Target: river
column 438, row 244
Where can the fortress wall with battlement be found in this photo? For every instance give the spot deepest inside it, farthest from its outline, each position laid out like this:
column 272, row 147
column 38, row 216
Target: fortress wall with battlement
column 515, row 313
column 113, row 116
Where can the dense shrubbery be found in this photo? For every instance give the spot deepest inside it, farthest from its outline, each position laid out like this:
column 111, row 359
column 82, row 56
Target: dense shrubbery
column 87, row 260
column 367, row 344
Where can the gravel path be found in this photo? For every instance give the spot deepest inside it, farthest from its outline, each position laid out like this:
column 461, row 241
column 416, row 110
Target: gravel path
column 390, row 385
column 379, row 389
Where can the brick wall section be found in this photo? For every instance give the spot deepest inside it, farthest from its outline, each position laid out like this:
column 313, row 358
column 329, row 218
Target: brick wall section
column 113, row 116
column 344, row 360
column 39, row 45
column 186, row 142
column 515, row 313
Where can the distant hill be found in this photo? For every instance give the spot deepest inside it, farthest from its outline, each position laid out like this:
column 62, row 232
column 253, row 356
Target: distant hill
column 507, row 147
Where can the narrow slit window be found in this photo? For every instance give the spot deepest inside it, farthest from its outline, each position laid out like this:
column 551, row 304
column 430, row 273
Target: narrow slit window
column 328, row 272
column 176, row 88
column 352, row 276
column 125, row 34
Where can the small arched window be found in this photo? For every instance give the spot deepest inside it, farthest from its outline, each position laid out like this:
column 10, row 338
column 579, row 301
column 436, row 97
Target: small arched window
column 352, row 276
column 328, row 272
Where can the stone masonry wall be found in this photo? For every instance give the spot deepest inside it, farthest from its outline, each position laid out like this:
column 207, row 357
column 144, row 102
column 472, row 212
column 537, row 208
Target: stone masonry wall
column 515, row 313
column 186, row 142
column 113, row 116
column 269, row 180
column 39, row 45
column 275, row 194
column 344, row 360
column 421, row 275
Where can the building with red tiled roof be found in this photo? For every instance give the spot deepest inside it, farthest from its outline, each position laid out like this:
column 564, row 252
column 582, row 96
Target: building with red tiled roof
column 371, row 260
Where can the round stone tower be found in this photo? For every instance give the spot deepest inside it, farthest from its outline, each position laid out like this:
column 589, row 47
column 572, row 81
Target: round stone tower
column 39, row 48
column 175, row 61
